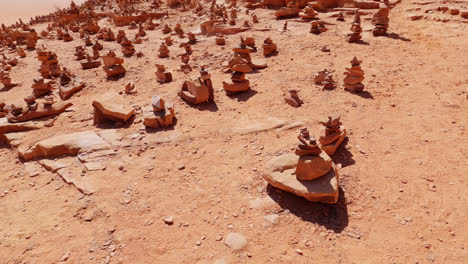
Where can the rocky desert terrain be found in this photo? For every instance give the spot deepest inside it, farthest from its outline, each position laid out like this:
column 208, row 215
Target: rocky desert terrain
column 113, row 174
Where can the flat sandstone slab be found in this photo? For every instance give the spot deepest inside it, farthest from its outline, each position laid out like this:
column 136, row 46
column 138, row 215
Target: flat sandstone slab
column 7, row 127
column 68, row 144
column 112, row 108
column 280, row 173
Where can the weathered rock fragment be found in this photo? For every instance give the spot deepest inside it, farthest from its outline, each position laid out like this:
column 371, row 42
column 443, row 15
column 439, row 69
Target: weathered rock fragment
column 269, row 48
column 293, row 98
column 69, row 84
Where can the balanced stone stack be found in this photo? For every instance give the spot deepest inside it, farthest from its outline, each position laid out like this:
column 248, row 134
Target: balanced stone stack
column 313, row 175
column 333, row 135
column 110, row 108
column 308, row 13
column 239, row 68
column 163, row 51
column 50, row 67
column 168, row 41
column 113, row 65
column 6, row 80
column 185, row 67
column 159, row 114
column 220, row 40
column 317, row 27
column 161, row 75
column 293, row 99
column 127, row 47
column 325, row 78
column 80, row 53
column 354, row 76
column 42, row 86
column 269, row 48
column 380, row 21
column 356, row 29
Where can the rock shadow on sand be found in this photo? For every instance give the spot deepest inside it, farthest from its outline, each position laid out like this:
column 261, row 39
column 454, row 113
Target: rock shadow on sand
column 244, row 96
column 331, row 216
column 343, row 156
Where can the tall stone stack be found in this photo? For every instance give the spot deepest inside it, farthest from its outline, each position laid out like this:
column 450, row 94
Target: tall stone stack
column 380, row 21
column 356, row 29
column 163, row 51
column 239, row 68
column 354, row 76
column 127, row 47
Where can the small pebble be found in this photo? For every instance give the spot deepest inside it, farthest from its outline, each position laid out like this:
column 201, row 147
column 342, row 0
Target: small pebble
column 169, row 220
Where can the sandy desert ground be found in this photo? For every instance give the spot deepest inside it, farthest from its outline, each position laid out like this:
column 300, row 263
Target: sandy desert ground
column 404, row 165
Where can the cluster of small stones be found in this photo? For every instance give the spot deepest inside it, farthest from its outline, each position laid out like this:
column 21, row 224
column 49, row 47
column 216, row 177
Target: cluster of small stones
column 356, row 29
column 325, row 78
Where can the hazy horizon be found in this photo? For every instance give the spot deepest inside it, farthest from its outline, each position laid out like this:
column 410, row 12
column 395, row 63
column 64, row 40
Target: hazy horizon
column 11, row 10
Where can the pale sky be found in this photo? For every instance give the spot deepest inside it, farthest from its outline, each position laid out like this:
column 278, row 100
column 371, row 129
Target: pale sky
column 11, row 10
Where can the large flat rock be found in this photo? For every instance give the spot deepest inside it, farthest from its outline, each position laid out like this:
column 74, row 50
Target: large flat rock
column 72, row 175
column 111, row 107
column 280, row 173
column 68, row 144
column 6, row 127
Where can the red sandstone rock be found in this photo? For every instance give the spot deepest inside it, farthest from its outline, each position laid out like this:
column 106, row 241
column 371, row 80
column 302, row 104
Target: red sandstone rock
column 198, row 91
column 113, row 65
column 159, row 114
column 109, row 108
column 42, row 110
column 354, row 76
column 161, row 74
column 69, row 84
column 280, row 173
column 269, row 48
column 68, row 144
column 293, row 98
column 332, row 135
